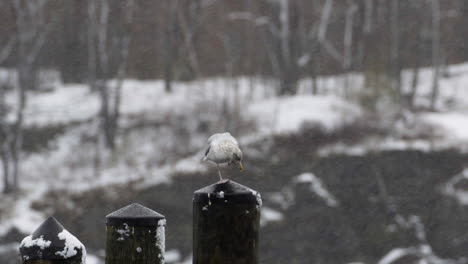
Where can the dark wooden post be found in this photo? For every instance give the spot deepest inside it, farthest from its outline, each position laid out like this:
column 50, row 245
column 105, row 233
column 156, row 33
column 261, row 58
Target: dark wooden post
column 226, row 217
column 52, row 244
column 135, row 235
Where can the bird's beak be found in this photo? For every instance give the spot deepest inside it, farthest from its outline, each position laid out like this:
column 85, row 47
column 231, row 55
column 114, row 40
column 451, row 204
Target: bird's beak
column 241, row 167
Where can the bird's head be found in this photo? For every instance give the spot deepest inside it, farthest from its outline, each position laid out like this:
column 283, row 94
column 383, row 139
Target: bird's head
column 237, row 158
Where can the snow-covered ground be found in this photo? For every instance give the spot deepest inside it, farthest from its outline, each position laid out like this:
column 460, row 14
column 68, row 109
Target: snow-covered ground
column 143, row 158
column 68, row 164
column 288, row 114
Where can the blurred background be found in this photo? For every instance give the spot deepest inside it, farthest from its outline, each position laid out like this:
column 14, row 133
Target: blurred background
column 352, row 116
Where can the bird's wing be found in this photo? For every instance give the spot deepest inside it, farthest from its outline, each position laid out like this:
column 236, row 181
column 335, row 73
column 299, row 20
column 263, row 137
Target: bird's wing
column 207, row 150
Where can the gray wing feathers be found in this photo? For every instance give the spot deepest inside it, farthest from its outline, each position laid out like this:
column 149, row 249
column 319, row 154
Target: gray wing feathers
column 207, row 151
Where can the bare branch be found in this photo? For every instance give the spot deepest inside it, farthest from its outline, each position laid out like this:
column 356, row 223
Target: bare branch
column 257, row 21
column 322, row 32
column 334, row 53
column 348, row 35
column 189, row 45
column 368, row 16
column 284, row 25
column 37, row 45
column 244, row 15
column 102, row 35
column 435, row 4
column 91, row 44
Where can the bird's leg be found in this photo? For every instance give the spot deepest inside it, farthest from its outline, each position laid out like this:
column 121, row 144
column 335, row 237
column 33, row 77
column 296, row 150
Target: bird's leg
column 219, row 173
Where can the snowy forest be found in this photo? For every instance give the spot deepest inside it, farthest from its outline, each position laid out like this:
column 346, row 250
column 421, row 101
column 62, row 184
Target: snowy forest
column 352, row 116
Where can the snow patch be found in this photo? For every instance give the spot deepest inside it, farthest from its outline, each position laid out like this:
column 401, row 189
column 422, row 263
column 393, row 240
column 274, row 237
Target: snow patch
column 269, row 215
column 172, row 255
column 91, row 259
column 220, row 195
column 124, row 233
column 258, row 197
column 22, row 216
column 450, row 189
column 161, row 236
column 317, row 187
column 284, row 115
column 451, row 125
column 393, row 255
column 72, row 245
column 38, row 242
column 424, row 252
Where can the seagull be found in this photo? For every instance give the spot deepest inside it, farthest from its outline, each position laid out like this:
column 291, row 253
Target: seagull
column 222, row 148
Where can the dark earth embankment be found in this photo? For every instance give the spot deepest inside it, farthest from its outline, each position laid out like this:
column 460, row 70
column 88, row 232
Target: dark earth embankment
column 371, row 191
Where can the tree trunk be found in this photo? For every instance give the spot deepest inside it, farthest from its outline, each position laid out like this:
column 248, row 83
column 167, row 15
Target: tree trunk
column 289, row 75
column 348, row 45
column 106, row 122
column 6, row 168
column 73, row 46
column 169, row 44
column 415, row 71
column 435, row 51
column 4, row 139
column 189, row 25
column 288, row 82
column 91, row 39
column 25, row 83
column 104, row 48
column 395, row 65
column 31, row 32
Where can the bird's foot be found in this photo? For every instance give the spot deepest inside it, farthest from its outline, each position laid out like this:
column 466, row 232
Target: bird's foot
column 219, row 173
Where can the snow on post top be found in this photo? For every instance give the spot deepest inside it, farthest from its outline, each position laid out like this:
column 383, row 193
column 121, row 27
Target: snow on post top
column 134, row 215
column 48, row 243
column 226, row 191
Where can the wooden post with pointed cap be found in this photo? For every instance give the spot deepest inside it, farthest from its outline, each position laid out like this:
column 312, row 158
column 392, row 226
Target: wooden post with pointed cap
column 135, row 235
column 226, row 220
column 52, row 244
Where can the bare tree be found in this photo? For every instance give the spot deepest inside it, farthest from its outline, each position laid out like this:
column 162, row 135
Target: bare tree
column 307, row 32
column 282, row 44
column 418, row 48
column 189, row 21
column 328, row 48
column 348, row 43
column 169, row 42
column 5, row 137
column 5, row 134
column 344, row 57
column 289, row 49
column 435, row 6
column 395, row 65
column 32, row 29
column 233, row 49
column 105, row 49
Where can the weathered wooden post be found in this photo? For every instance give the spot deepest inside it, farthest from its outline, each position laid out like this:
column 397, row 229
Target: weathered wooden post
column 52, row 244
column 226, row 218
column 135, row 235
